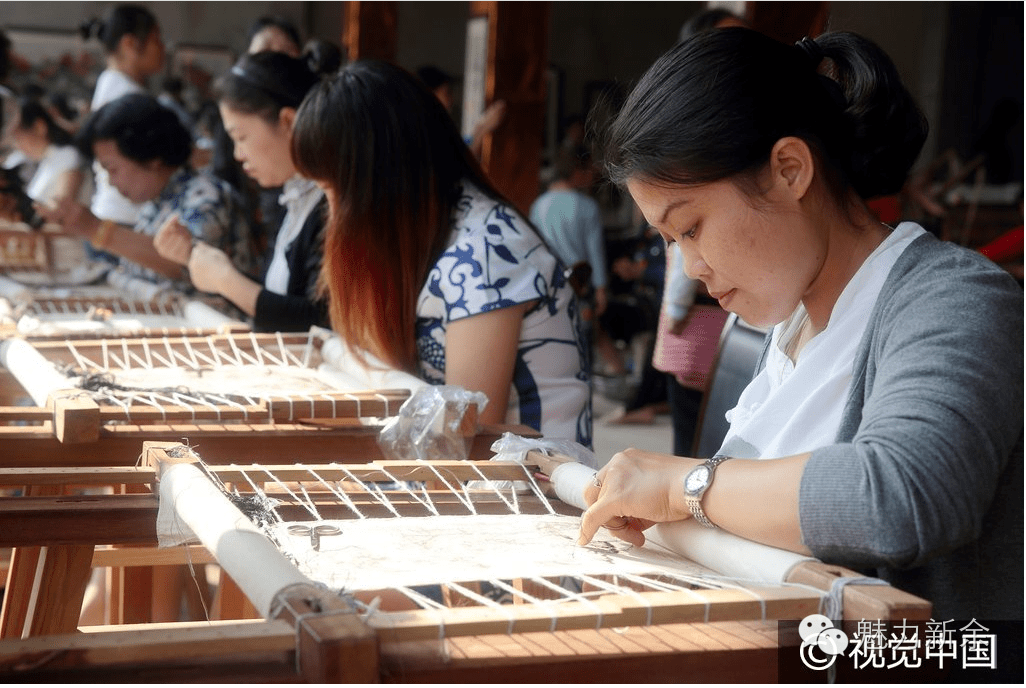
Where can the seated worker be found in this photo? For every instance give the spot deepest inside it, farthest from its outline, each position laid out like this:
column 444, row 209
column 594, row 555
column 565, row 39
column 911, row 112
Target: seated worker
column 429, row 268
column 883, row 428
column 61, row 170
column 258, row 99
column 145, row 149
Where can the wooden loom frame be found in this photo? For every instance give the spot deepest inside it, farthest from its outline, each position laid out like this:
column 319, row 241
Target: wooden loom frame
column 74, row 430
column 318, row 637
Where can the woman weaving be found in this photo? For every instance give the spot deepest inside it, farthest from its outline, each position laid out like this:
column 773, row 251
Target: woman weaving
column 889, row 394
column 428, row 268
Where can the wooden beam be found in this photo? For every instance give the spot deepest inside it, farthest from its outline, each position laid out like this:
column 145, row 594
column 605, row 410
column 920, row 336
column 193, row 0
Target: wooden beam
column 369, row 30
column 518, row 57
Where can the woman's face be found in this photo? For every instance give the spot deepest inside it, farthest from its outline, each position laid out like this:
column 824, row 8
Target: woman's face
column 758, row 257
column 148, row 55
column 261, row 146
column 137, row 181
column 31, row 140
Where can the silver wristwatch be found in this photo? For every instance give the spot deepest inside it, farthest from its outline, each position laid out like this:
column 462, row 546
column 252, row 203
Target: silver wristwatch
column 696, row 482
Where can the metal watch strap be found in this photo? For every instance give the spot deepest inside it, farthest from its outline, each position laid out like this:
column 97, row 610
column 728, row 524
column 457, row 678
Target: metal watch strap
column 695, row 503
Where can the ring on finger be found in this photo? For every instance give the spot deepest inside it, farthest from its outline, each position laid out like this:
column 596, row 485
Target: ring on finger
column 623, row 525
column 596, row 482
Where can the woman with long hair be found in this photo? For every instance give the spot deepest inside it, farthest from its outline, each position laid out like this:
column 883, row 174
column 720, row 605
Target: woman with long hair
column 429, row 269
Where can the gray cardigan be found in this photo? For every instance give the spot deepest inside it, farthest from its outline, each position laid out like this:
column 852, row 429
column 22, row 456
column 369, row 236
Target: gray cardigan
column 924, row 486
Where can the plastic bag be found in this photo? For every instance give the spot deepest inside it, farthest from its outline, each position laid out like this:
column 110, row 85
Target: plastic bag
column 514, row 448
column 433, row 424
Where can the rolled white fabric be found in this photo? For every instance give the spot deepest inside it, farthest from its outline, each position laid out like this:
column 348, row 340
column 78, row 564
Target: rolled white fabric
column 36, row 374
column 200, row 315
column 725, row 552
column 190, row 505
column 569, row 480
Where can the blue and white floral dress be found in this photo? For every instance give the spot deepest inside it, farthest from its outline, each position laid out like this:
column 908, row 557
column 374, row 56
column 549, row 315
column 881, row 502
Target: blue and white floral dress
column 495, row 260
column 208, row 208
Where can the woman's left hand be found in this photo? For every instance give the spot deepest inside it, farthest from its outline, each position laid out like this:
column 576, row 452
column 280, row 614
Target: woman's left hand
column 634, row 491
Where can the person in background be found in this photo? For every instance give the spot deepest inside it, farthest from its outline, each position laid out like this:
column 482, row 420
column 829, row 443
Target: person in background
column 429, row 269
column 714, row 18
column 440, row 84
column 145, row 151
column 62, row 172
column 883, row 428
column 135, row 51
column 274, row 33
column 687, row 339
column 258, row 100
column 571, row 223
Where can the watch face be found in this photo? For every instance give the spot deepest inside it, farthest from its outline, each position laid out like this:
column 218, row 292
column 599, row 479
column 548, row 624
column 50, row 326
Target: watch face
column 696, row 479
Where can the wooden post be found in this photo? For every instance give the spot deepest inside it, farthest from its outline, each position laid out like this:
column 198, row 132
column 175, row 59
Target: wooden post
column 369, row 30
column 518, row 55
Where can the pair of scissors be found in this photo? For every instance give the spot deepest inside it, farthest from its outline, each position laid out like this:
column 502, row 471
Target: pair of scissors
column 315, row 533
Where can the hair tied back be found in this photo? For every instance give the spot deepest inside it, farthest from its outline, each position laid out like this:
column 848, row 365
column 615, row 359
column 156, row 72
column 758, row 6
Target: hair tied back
column 810, row 50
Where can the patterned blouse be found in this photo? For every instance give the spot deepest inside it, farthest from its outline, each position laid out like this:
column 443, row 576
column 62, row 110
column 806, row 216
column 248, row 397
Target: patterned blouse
column 208, row 208
column 495, row 259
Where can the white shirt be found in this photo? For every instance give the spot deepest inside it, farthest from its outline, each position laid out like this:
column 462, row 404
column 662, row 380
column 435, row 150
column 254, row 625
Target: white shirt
column 108, row 203
column 55, row 162
column 299, row 196
column 794, row 408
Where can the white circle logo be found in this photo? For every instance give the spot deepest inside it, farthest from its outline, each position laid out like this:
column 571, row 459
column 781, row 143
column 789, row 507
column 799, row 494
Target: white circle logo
column 821, row 642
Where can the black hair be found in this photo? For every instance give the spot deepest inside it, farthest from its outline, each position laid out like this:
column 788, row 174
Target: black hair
column 713, row 107
column 5, row 56
column 323, row 57
column 433, row 77
column 142, row 129
column 121, row 21
column 277, row 22
column 32, row 110
column 263, row 83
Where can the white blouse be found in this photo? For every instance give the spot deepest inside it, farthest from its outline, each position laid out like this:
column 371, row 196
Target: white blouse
column 790, row 408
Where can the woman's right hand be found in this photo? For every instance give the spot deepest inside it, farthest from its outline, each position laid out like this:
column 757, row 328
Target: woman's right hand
column 173, row 241
column 634, row 491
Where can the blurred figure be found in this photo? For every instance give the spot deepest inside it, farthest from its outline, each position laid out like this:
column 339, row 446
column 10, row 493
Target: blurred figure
column 145, row 151
column 135, row 52
column 571, row 223
column 274, row 33
column 440, row 83
column 715, row 18
column 62, row 172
